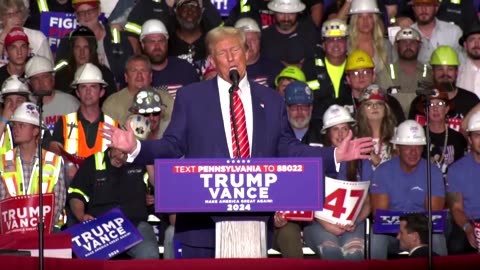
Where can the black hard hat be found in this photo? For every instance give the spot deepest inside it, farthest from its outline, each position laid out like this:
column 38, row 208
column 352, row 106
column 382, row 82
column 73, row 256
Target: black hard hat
column 82, row 31
column 473, row 28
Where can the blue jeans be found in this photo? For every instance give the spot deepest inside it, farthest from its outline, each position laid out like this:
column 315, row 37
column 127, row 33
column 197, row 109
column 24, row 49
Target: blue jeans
column 348, row 246
column 384, row 244
column 148, row 248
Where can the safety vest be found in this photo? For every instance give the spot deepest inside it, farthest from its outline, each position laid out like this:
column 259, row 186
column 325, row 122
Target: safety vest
column 42, row 5
column 393, row 76
column 244, row 7
column 99, row 166
column 13, row 178
column 74, row 136
column 6, row 142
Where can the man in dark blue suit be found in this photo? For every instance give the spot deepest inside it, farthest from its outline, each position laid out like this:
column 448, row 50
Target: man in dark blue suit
column 200, row 127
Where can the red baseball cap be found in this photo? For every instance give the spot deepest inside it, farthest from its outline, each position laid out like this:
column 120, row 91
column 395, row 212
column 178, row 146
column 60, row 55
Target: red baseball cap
column 15, row 34
column 92, row 3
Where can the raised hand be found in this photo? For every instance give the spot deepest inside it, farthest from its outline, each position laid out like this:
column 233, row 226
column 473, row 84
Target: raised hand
column 123, row 140
column 354, row 149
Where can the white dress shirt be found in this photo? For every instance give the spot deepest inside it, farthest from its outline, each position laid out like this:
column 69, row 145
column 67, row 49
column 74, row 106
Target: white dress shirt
column 246, row 97
column 469, row 77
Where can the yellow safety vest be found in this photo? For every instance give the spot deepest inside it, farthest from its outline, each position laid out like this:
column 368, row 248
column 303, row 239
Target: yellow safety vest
column 6, row 142
column 244, row 7
column 13, row 178
column 42, row 5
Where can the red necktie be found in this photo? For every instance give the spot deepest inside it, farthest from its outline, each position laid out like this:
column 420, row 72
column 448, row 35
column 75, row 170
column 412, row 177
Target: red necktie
column 241, row 128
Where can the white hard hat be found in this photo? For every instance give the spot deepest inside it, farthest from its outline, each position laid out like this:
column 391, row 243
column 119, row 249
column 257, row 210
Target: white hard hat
column 286, row 6
column 140, row 125
column 88, row 73
column 408, row 34
column 364, row 6
column 27, row 112
column 334, row 28
column 153, row 26
column 14, row 85
column 474, row 122
column 37, row 65
column 409, row 132
column 247, row 25
column 335, row 115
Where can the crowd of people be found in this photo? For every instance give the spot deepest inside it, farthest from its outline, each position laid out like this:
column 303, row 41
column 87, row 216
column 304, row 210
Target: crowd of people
column 145, row 79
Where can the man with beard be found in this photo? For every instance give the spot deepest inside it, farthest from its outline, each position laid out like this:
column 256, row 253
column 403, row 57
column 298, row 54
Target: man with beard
column 445, row 64
column 138, row 75
column 407, row 67
column 298, row 98
column 434, row 32
column 188, row 39
column 468, row 72
column 289, row 40
column 167, row 70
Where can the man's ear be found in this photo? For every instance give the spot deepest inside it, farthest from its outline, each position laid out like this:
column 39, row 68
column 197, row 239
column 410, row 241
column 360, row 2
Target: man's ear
column 211, row 62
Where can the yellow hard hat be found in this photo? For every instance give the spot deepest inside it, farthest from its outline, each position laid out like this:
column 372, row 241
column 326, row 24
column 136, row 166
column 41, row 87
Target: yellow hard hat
column 359, row 59
column 292, row 72
column 444, row 56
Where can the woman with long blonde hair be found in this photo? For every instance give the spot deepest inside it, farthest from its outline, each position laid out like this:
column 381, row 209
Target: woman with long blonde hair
column 367, row 32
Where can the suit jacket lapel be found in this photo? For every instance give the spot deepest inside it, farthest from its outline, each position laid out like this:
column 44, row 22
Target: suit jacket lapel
column 258, row 122
column 218, row 132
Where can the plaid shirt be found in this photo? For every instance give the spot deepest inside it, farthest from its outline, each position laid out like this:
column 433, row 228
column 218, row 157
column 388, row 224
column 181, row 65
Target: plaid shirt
column 59, row 190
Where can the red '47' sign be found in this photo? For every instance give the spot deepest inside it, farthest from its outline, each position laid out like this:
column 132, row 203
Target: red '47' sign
column 343, row 201
column 20, row 214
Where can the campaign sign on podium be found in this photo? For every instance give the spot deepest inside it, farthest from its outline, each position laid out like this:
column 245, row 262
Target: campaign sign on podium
column 20, row 214
column 238, row 185
column 104, row 237
column 387, row 221
column 343, row 201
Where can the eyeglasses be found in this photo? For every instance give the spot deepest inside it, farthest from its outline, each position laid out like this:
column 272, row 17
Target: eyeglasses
column 438, row 104
column 363, row 72
column 374, row 105
column 87, row 12
column 151, row 114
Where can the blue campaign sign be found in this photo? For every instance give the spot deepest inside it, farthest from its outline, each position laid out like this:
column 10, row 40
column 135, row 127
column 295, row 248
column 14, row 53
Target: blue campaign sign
column 238, row 185
column 55, row 25
column 104, row 237
column 389, row 221
column 224, row 6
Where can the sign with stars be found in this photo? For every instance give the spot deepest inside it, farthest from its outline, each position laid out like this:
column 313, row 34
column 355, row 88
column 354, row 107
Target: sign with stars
column 238, row 185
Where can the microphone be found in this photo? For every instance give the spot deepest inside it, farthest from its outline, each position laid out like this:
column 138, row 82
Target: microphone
column 234, row 76
column 426, row 92
column 42, row 93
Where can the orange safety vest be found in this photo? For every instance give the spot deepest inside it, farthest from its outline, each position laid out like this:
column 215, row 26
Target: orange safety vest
column 13, row 178
column 75, row 142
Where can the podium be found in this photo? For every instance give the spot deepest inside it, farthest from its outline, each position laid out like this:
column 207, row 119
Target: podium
column 240, row 239
column 232, row 191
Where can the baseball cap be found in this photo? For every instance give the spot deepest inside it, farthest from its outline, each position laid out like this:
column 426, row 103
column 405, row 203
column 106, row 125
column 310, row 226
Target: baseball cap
column 298, row 93
column 77, row 3
column 15, row 34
